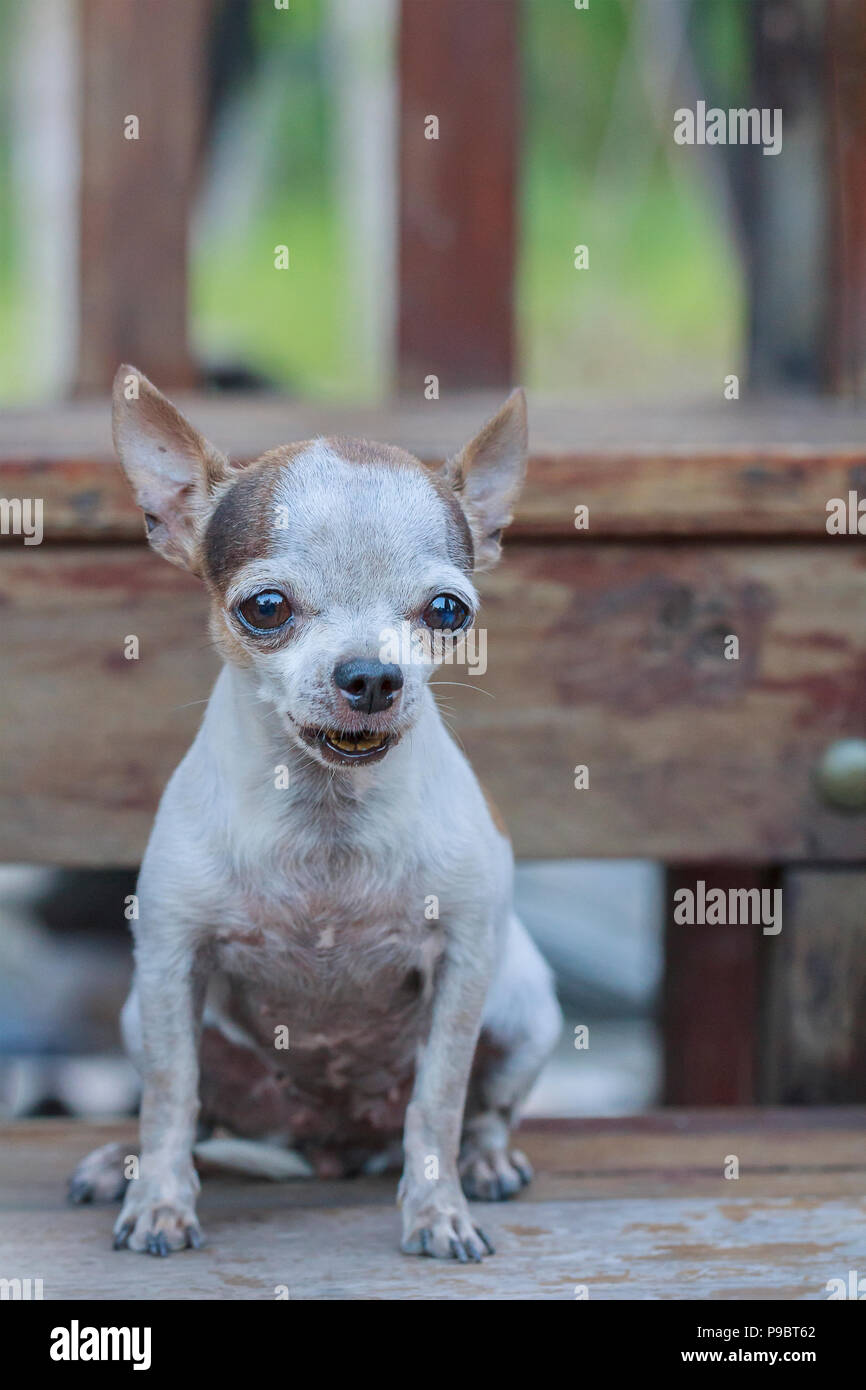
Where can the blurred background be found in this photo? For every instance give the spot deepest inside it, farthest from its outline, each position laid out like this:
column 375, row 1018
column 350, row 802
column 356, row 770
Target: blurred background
column 299, row 139
column 284, row 127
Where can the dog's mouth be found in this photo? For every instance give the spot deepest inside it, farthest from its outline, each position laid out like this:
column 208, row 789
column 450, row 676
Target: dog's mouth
column 349, row 746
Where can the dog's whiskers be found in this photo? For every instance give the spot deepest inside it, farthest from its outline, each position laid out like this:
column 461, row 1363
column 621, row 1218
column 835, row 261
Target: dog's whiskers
column 453, row 731
column 468, row 686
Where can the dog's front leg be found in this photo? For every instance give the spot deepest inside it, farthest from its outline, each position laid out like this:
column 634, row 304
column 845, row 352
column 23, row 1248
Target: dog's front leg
column 436, row 1218
column 158, row 1213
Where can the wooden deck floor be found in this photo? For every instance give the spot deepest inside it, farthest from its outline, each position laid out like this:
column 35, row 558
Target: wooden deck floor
column 631, row 1209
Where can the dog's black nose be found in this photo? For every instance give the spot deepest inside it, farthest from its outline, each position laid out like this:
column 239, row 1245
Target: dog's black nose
column 368, row 685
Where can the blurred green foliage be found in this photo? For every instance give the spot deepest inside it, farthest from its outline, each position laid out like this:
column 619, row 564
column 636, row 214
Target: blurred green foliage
column 660, row 310
column 285, row 326
column 15, row 383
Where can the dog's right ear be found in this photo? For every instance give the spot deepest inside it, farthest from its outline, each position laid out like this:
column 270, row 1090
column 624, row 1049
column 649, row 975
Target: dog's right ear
column 172, row 469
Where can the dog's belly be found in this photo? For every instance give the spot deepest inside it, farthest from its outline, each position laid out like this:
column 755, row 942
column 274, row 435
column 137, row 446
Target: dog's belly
column 334, row 1090
column 313, row 1033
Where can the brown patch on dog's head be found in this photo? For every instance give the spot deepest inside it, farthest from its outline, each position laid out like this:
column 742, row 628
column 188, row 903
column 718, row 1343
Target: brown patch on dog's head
column 242, row 524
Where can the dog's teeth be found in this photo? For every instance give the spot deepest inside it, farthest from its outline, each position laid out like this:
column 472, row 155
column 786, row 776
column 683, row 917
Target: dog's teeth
column 354, row 744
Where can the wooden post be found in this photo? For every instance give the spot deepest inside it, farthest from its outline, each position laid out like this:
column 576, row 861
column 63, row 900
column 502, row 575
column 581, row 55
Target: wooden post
column 458, row 65
column 804, row 210
column 710, row 996
column 814, row 1026
column 146, row 61
column 783, row 198
column 846, row 61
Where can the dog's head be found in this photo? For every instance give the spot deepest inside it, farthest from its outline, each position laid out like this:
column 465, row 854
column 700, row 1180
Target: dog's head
column 325, row 560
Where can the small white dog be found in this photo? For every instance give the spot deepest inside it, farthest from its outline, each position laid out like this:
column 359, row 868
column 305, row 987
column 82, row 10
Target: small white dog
column 326, row 950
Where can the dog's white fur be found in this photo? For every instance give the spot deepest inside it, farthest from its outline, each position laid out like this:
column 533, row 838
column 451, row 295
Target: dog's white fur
column 300, row 899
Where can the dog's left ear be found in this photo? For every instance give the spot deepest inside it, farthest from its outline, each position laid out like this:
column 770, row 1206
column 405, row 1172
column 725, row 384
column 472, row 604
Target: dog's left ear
column 487, row 476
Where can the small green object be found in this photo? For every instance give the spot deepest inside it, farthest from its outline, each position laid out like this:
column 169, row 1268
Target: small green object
column 841, row 775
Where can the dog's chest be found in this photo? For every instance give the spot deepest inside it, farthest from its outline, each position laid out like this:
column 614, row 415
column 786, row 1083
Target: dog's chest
column 362, row 943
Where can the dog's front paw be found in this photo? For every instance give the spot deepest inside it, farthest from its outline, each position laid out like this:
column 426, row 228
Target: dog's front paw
column 440, row 1225
column 494, row 1175
column 157, row 1219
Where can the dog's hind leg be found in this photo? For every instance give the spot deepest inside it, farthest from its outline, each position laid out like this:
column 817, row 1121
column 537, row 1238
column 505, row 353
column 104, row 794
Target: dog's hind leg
column 522, row 1022
column 101, row 1176
column 238, row 1093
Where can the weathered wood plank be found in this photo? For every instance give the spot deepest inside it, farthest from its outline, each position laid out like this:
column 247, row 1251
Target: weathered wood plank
column 815, row 1006
column 147, row 62
column 612, row 657
column 741, row 474
column 608, row 656
column 248, row 424
column 458, row 63
column 89, row 738
column 749, row 495
column 634, row 1209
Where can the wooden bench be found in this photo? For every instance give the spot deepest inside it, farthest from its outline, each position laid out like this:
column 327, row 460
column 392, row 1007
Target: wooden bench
column 620, row 1209
column 605, row 649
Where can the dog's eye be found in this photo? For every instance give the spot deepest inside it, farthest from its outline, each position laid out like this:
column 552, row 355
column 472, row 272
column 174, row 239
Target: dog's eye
column 266, row 611
column 446, row 612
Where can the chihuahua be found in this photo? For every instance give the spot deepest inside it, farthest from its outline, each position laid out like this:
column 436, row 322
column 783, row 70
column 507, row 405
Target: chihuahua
column 326, row 952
